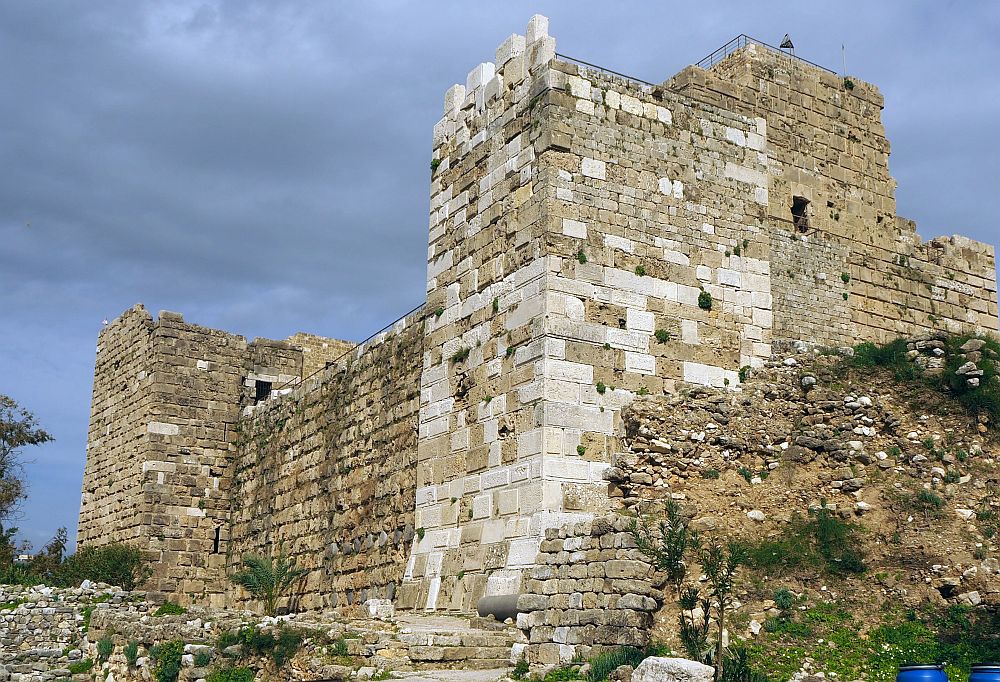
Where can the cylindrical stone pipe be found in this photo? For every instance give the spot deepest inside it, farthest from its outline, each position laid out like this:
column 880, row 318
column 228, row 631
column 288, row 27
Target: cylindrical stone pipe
column 501, row 607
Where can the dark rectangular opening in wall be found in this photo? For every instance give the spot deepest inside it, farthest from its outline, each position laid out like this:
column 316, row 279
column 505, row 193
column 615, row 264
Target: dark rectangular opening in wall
column 262, row 389
column 217, row 541
column 800, row 213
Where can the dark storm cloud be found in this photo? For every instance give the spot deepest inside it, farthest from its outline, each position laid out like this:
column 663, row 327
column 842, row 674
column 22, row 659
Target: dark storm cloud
column 263, row 166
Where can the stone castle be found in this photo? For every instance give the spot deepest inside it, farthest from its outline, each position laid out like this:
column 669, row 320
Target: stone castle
column 592, row 237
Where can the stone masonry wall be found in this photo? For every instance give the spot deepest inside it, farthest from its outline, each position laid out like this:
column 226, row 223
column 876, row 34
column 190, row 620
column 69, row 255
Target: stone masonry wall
column 327, row 472
column 827, row 145
column 167, row 397
column 592, row 590
column 118, row 416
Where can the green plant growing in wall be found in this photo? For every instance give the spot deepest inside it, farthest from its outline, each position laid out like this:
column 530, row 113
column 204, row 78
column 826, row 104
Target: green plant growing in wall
column 420, row 533
column 439, row 312
column 848, row 84
column 601, row 388
column 169, row 608
column 845, row 277
column 434, row 164
column 496, row 305
column 105, row 647
column 666, row 543
column 745, row 373
column 642, row 391
column 705, row 300
column 845, row 295
column 640, row 270
column 167, row 657
column 662, row 335
column 268, row 579
column 581, row 257
column 131, row 653
column 461, row 355
column 736, row 250
column 581, row 450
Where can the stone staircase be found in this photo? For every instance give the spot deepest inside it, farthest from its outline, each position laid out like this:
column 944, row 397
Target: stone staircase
column 430, row 642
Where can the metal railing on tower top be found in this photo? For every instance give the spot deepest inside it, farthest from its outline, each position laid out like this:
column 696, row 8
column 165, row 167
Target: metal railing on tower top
column 742, row 41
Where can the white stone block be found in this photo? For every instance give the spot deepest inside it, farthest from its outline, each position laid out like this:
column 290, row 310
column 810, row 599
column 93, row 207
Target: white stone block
column 579, row 87
column 480, row 75
column 620, row 243
column 482, row 506
column 507, row 502
column 663, row 115
column 523, row 552
column 703, row 273
column 574, row 228
column 729, row 278
column 666, row 186
column 453, row 98
column 510, row 48
column 493, row 531
column 624, row 339
column 677, row 189
column 640, row 363
column 689, row 332
column 593, row 168
column 676, row 257
column 638, row 320
column 656, row 669
column 763, row 318
column 709, row 375
column 744, row 174
column 736, row 137
column 562, row 370
column 163, row 428
column 538, row 27
column 631, row 105
column 494, row 479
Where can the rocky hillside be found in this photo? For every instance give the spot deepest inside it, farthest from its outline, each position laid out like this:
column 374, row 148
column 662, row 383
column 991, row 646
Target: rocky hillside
column 895, row 443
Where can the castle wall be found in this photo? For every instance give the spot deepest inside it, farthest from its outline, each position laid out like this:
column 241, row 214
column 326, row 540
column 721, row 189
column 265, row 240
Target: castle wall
column 326, row 473
column 110, row 503
column 827, row 144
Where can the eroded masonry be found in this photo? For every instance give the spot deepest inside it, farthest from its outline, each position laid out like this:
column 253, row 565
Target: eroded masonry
column 592, row 238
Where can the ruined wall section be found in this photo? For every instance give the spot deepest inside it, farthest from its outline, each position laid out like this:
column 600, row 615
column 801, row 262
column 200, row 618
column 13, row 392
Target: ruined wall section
column 827, row 145
column 327, row 472
column 110, row 504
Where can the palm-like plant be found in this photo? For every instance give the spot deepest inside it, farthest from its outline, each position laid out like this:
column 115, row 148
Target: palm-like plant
column 268, row 579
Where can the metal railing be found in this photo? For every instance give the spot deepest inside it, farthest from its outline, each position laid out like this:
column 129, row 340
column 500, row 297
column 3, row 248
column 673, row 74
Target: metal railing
column 601, row 69
column 742, row 41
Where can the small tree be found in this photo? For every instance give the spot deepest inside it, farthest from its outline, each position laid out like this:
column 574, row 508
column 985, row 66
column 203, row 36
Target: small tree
column 720, row 565
column 268, row 579
column 18, row 428
column 666, row 545
column 693, row 631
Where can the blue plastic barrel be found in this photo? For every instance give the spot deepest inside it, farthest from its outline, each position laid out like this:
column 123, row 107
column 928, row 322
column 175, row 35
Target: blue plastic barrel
column 985, row 672
column 932, row 672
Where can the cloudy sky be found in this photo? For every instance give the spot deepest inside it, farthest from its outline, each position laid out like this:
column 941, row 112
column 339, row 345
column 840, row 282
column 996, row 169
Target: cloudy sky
column 262, row 165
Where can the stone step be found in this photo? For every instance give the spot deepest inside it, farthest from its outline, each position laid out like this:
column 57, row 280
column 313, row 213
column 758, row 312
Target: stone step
column 457, row 653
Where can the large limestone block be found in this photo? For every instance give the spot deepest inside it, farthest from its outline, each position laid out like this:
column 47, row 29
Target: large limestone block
column 656, row 669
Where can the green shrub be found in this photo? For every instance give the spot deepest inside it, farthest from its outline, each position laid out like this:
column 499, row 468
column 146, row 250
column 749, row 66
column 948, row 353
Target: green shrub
column 434, row 164
column 604, row 664
column 662, row 335
column 202, row 658
column 80, row 667
column 461, row 355
column 581, row 257
column 231, row 675
column 339, row 647
column 132, row 653
column 705, row 300
column 116, row 564
column 601, row 388
column 738, row 668
column 167, row 659
column 105, row 647
column 711, row 474
column 520, row 669
column 268, row 579
column 280, row 648
column 168, row 608
column 821, row 541
column 640, row 270
column 783, row 598
column 745, row 372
